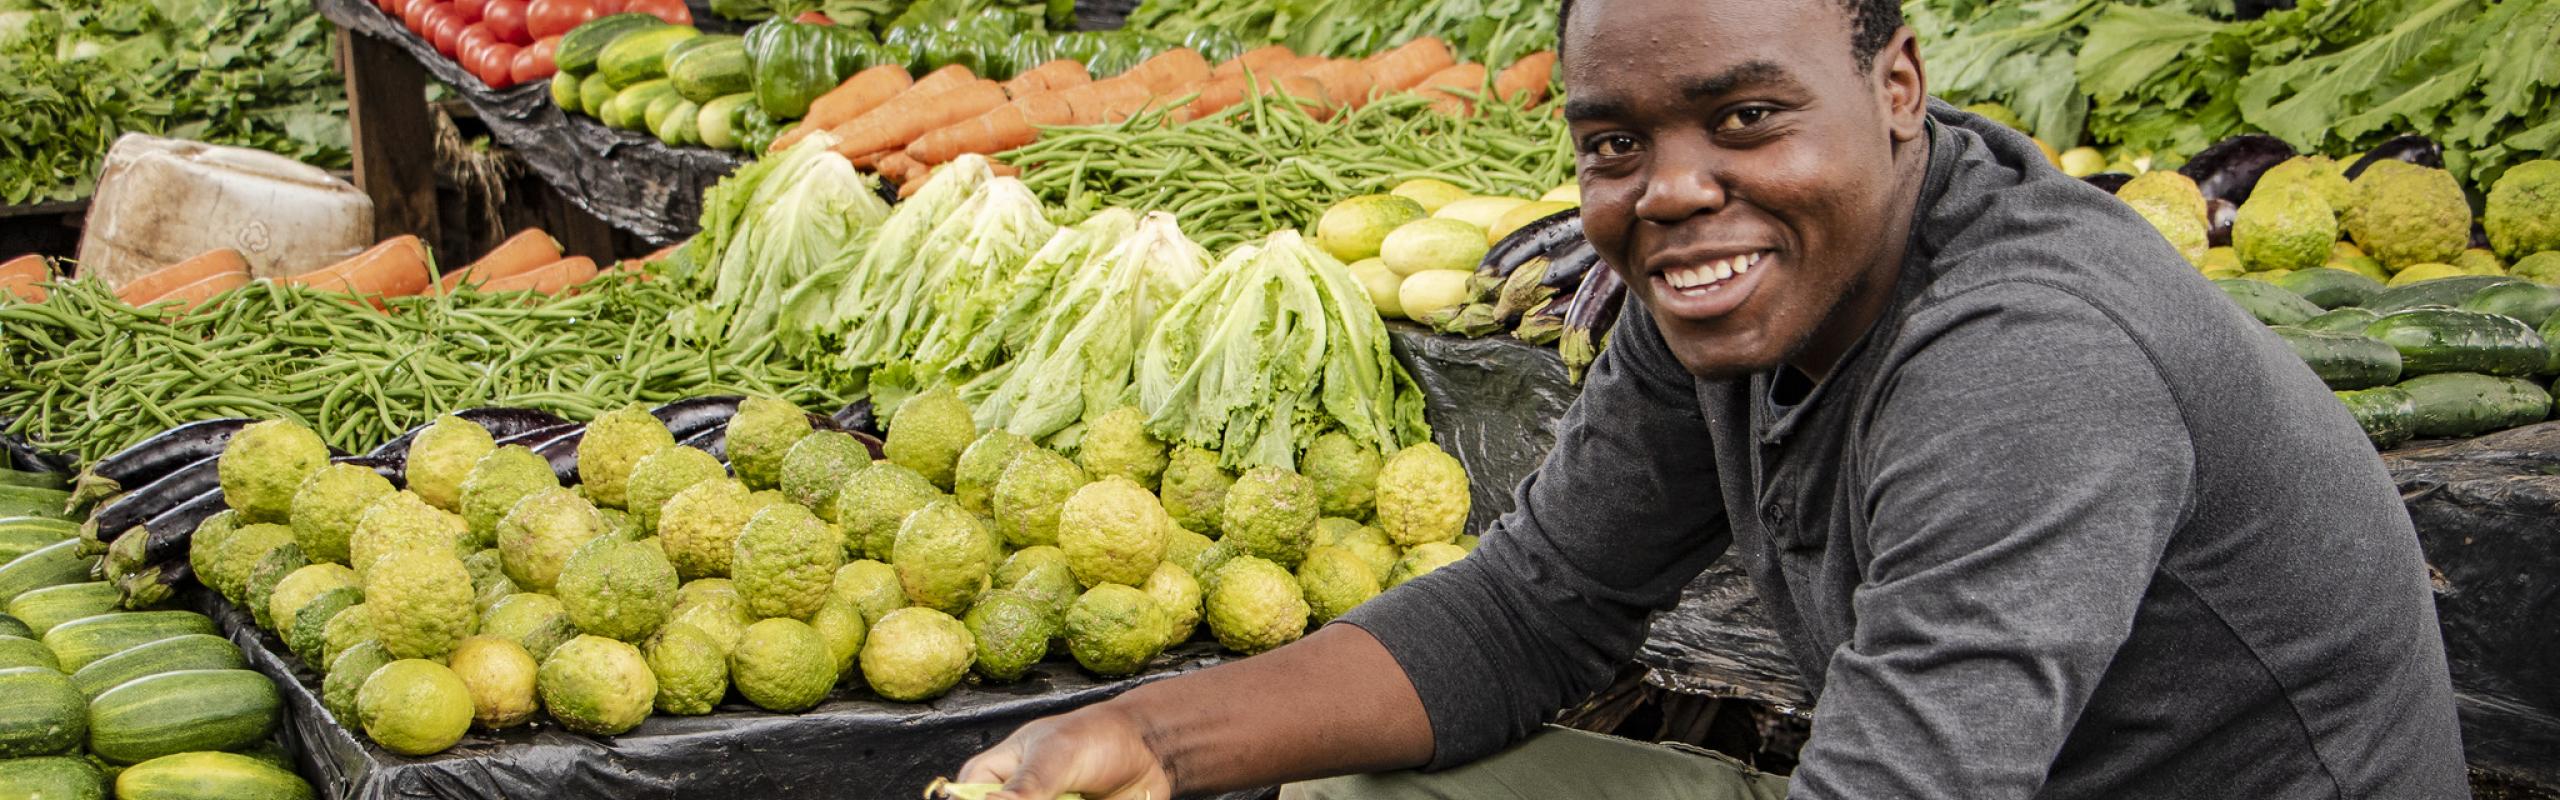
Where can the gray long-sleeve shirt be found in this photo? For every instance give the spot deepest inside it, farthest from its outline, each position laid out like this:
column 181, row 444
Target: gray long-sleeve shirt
column 2065, row 524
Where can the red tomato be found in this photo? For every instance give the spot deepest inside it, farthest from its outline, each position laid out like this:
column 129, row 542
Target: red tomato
column 391, row 7
column 473, row 10
column 497, row 65
column 473, row 37
column 531, row 64
column 673, row 11
column 444, row 27
column 554, row 17
column 506, row 19
column 413, row 14
column 605, row 7
column 814, row 18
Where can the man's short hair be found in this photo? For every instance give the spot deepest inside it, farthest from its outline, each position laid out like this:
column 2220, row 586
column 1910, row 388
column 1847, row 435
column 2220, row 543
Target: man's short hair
column 1871, row 26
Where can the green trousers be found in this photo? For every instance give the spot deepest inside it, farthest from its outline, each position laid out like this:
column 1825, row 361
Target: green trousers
column 1564, row 763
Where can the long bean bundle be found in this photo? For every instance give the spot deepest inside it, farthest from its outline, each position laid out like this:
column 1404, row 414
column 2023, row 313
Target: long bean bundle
column 1266, row 165
column 88, row 375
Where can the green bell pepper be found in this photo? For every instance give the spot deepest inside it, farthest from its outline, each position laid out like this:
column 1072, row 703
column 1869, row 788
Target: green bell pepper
column 790, row 63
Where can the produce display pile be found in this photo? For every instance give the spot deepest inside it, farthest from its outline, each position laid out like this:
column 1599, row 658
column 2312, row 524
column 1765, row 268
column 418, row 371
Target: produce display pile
column 254, row 73
column 2171, row 76
column 497, row 566
column 102, row 690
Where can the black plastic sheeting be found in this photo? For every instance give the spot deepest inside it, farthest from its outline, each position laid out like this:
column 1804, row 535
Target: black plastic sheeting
column 853, row 746
column 2487, row 513
column 630, row 180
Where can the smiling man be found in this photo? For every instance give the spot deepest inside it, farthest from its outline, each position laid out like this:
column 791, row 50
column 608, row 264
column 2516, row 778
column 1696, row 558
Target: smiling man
column 2040, row 513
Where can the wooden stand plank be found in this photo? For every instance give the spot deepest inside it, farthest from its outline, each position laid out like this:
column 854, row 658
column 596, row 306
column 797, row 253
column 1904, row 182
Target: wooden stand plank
column 393, row 141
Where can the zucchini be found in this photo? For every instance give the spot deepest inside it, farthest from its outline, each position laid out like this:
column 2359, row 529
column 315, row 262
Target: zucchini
column 33, row 480
column 10, row 626
column 83, row 641
column 708, row 68
column 34, row 501
column 718, row 120
column 2439, row 292
column 2388, row 415
column 2523, row 301
column 16, row 652
column 173, row 654
column 152, row 459
column 641, row 55
column 210, row 776
column 22, row 535
column 2454, row 404
column 2330, row 288
column 2268, row 303
column 2343, row 320
column 41, row 609
column 682, row 125
column 183, row 711
column 661, row 106
column 2343, row 360
column 40, row 714
column 53, row 565
column 2432, row 340
column 580, row 48
column 52, row 778
column 594, row 94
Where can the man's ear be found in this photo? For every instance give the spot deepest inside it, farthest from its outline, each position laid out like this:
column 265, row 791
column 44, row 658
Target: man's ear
column 1905, row 85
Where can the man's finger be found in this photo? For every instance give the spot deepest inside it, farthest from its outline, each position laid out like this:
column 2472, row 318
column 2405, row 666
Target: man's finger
column 993, row 766
column 1028, row 783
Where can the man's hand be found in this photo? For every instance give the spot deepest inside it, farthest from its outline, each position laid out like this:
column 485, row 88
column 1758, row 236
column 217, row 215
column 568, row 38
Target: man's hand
column 1099, row 752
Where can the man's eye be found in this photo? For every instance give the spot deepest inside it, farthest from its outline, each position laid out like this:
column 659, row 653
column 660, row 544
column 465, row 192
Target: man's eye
column 1742, row 120
column 1613, row 145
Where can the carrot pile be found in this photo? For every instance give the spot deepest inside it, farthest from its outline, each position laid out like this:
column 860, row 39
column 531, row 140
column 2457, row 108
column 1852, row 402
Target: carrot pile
column 902, row 129
column 397, row 267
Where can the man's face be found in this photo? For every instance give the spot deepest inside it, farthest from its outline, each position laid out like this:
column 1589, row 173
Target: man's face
column 1738, row 170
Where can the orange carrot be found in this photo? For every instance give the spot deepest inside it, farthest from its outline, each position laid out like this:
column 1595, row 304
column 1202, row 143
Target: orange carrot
column 891, row 126
column 20, row 276
column 159, row 281
column 864, row 91
column 1526, row 78
column 190, row 295
column 552, row 278
column 528, row 249
column 1259, row 60
column 1000, row 129
column 1399, row 69
column 1168, row 72
column 1446, row 85
column 397, row 267
column 945, row 79
column 1307, row 92
column 898, row 166
column 1345, row 82
column 1055, row 75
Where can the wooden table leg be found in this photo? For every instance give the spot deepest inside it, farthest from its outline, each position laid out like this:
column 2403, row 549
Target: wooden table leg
column 393, row 140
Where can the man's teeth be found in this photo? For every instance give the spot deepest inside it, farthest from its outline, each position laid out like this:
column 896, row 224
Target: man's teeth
column 1709, row 274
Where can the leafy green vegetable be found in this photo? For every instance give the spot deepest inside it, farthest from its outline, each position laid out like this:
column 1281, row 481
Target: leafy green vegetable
column 768, row 228
column 254, row 73
column 1077, row 363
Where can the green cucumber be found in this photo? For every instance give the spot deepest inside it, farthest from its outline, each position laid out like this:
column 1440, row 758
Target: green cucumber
column 210, row 776
column 2453, row 404
column 2330, row 288
column 654, row 118
column 40, row 714
column 2439, row 292
column 682, row 126
column 718, row 120
column 2343, row 360
column 183, row 711
column 2526, row 302
column 2432, row 340
column 53, row 565
column 32, row 501
column 41, row 609
column 2342, row 320
column 173, row 654
column 579, row 49
column 85, row 640
column 641, row 55
column 11, row 626
column 52, row 778
column 564, row 92
column 594, row 94
column 2267, row 302
column 629, row 109
column 2388, row 415
column 18, row 652
column 709, row 67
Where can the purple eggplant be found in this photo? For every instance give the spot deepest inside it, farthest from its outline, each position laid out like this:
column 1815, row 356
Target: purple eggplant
column 1587, row 322
column 2110, row 182
column 713, row 440
column 140, row 505
column 19, row 454
column 539, row 435
column 501, row 422
column 167, row 536
column 1538, row 238
column 2229, row 169
column 154, row 458
column 879, row 449
column 1566, row 268
column 154, row 584
column 391, row 468
column 856, row 417
column 2219, row 214
column 692, row 415
column 562, row 452
column 2413, row 148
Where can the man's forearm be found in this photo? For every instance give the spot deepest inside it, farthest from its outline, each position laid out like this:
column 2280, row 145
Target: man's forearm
column 1334, row 703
